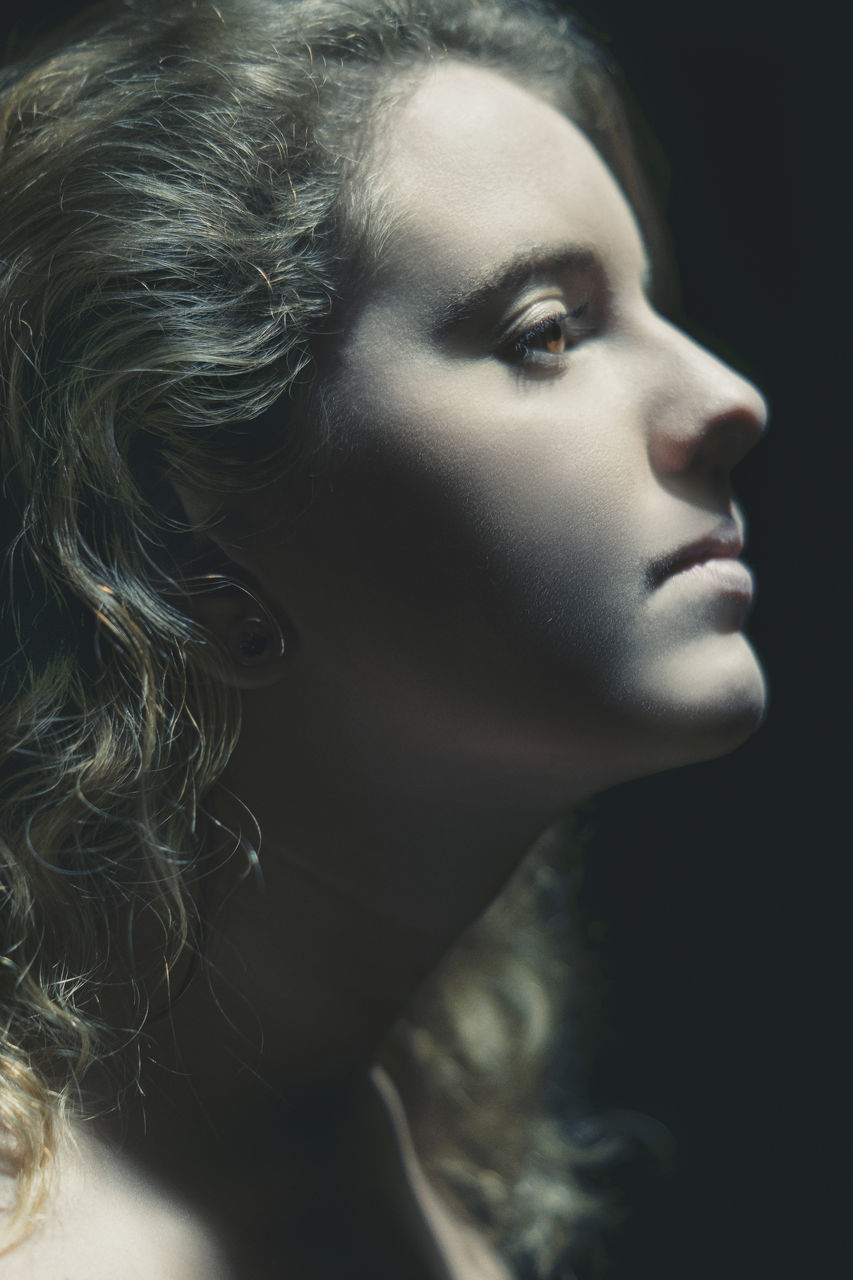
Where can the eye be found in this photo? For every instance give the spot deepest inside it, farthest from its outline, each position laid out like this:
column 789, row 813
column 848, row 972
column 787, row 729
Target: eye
column 551, row 337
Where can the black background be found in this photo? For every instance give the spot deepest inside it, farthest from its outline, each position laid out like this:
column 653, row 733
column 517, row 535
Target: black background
column 716, row 898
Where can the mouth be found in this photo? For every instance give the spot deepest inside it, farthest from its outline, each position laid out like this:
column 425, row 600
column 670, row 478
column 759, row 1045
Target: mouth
column 726, row 545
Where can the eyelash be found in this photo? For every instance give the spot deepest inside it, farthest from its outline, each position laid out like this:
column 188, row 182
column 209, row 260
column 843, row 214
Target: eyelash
column 520, row 350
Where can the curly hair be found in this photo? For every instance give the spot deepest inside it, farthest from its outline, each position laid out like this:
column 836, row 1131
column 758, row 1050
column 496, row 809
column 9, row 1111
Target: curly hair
column 187, row 203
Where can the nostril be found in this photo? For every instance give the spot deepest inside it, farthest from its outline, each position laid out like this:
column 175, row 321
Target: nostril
column 741, row 437
column 710, row 417
column 733, row 435
column 715, row 446
column 721, row 447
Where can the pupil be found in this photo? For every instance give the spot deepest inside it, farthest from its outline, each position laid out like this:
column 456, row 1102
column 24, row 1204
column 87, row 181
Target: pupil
column 554, row 339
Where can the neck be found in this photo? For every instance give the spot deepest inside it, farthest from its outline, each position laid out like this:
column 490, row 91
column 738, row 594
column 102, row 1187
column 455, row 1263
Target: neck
column 374, row 860
column 257, row 1108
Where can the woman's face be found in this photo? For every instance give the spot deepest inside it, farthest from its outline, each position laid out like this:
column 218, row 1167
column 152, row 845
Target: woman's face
column 527, row 547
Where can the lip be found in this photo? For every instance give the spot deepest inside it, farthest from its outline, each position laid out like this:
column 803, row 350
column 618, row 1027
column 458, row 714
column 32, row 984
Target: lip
column 715, row 546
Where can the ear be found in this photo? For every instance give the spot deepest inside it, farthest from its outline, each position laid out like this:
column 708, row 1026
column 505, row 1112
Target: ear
column 222, row 596
column 253, row 639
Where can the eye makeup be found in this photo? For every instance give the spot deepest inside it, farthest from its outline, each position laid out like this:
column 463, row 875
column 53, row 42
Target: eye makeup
column 551, row 337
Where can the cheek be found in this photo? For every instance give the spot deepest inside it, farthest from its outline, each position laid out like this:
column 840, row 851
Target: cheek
column 493, row 509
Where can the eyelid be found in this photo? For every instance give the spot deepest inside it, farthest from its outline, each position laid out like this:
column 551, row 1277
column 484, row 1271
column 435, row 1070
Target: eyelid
column 512, row 345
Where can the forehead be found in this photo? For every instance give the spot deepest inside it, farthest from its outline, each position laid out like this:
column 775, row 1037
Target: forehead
column 474, row 167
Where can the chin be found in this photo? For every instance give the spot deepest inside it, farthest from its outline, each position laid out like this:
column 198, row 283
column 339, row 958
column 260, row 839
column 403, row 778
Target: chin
column 729, row 727
column 721, row 705
column 704, row 709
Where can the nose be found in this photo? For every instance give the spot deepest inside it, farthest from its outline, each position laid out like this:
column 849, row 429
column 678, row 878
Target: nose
column 706, row 417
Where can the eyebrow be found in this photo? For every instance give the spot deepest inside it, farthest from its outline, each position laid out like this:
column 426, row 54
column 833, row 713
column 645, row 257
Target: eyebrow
column 523, row 267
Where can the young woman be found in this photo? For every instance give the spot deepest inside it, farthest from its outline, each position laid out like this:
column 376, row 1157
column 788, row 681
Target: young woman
column 361, row 514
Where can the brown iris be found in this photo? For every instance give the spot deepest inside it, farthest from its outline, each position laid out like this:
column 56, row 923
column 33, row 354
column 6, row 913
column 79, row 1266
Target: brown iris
column 554, row 339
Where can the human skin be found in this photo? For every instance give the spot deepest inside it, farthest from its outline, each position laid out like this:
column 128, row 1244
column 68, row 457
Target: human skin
column 473, row 590
column 481, row 630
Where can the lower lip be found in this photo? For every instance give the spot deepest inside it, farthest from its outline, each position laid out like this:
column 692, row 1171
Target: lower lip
column 724, row 576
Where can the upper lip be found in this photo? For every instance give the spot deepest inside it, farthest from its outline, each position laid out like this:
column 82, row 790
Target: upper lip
column 723, row 544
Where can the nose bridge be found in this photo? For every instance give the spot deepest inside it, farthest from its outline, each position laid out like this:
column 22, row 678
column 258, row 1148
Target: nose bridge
column 704, row 410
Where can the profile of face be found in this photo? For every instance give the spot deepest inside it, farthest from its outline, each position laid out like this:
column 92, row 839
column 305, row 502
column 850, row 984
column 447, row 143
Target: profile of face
column 526, row 547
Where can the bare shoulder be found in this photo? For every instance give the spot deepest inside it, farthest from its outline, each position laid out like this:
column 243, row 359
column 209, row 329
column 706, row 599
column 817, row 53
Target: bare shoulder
column 103, row 1221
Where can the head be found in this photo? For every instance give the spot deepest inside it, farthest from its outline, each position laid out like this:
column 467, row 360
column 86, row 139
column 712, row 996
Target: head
column 338, row 316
